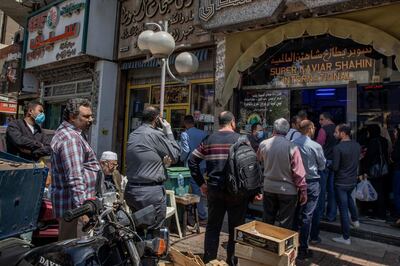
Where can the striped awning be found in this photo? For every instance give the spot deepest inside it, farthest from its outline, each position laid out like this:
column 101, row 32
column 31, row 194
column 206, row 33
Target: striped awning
column 201, row 54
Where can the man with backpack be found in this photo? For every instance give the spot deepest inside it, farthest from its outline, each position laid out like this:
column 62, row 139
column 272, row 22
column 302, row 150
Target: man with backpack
column 294, row 132
column 216, row 150
column 284, row 176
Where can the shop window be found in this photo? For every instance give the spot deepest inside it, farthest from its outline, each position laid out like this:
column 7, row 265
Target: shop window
column 203, row 98
column 174, row 94
column 138, row 99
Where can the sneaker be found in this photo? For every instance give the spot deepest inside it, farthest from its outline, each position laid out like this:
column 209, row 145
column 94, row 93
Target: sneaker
column 355, row 224
column 305, row 254
column 315, row 241
column 342, row 240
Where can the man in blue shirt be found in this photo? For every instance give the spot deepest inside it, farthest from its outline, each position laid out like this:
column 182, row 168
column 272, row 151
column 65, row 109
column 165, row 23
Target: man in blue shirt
column 314, row 161
column 190, row 140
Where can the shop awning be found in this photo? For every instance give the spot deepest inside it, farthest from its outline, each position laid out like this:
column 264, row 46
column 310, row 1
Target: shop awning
column 201, row 54
column 341, row 28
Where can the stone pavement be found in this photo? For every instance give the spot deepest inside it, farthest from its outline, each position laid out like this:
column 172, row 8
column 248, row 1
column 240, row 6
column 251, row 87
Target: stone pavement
column 361, row 252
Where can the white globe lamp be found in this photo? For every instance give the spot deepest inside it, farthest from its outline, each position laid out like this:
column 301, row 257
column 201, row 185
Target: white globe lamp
column 144, row 39
column 186, row 63
column 162, row 44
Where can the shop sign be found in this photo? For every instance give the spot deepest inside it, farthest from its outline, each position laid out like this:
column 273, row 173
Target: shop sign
column 181, row 15
column 223, row 13
column 55, row 34
column 8, row 107
column 315, row 67
column 174, row 94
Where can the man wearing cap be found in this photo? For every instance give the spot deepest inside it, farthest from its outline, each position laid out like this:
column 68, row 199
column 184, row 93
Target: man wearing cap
column 111, row 179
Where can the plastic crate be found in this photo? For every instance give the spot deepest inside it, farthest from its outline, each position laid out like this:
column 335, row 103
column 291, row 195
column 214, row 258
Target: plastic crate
column 21, row 191
column 175, row 182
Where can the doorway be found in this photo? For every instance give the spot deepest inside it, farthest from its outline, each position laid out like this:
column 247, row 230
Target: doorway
column 318, row 100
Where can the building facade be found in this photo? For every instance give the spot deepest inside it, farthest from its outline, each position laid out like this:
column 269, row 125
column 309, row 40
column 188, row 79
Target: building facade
column 68, row 50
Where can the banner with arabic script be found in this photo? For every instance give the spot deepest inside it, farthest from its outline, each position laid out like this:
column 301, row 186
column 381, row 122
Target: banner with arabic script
column 323, row 61
column 181, row 15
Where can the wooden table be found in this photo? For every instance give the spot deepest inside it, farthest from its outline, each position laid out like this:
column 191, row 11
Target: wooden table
column 189, row 203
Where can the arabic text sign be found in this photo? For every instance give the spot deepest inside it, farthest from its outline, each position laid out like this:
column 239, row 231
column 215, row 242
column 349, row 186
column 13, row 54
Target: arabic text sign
column 56, row 33
column 315, row 66
column 180, row 14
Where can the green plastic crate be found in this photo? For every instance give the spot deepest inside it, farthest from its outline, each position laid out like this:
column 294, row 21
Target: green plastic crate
column 180, row 186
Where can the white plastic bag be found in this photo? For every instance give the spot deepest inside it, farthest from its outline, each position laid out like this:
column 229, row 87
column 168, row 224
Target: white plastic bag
column 365, row 191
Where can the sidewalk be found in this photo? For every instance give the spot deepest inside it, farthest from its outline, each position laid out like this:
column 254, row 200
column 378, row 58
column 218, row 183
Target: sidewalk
column 361, row 252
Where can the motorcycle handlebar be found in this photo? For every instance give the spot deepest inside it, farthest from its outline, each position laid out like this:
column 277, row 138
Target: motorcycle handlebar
column 88, row 207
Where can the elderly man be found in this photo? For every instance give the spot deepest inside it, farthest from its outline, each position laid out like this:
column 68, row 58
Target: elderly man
column 74, row 165
column 314, row 161
column 149, row 147
column 284, row 176
column 111, row 178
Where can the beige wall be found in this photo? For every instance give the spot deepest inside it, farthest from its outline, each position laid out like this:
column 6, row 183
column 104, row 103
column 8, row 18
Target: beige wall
column 385, row 18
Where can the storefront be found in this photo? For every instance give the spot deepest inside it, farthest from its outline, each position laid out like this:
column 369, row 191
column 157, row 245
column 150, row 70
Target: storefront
column 346, row 64
column 65, row 50
column 10, row 82
column 140, row 78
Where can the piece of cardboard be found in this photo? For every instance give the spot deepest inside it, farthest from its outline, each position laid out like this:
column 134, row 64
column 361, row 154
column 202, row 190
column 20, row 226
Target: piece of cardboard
column 269, row 237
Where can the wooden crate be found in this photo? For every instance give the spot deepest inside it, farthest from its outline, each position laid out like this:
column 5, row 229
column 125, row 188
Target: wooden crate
column 264, row 257
column 244, row 262
column 272, row 238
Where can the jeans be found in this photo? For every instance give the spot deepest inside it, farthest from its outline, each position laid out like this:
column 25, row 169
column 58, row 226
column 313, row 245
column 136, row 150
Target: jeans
column 220, row 202
column 280, row 208
column 331, row 208
column 396, row 192
column 201, row 206
column 346, row 204
column 319, row 210
column 306, row 212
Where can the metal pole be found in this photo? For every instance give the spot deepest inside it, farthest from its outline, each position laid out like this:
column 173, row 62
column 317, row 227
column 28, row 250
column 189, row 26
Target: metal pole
column 164, row 63
column 162, row 87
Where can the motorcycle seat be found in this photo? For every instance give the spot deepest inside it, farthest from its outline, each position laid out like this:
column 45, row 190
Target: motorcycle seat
column 12, row 250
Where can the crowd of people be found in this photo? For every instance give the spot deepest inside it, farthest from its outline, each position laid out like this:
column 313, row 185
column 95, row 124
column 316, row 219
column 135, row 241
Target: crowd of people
column 306, row 176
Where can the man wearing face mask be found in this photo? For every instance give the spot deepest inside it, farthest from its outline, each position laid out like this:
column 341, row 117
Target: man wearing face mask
column 24, row 137
column 74, row 165
column 257, row 135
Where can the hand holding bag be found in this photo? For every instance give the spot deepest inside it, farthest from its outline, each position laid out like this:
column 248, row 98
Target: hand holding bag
column 380, row 168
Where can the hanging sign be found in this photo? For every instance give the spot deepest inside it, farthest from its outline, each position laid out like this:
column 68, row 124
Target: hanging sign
column 56, row 33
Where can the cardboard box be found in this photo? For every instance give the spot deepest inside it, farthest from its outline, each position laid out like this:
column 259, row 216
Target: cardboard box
column 264, row 257
column 272, row 238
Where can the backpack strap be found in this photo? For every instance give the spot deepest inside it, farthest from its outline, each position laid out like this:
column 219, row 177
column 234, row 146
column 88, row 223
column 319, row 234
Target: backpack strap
column 291, row 135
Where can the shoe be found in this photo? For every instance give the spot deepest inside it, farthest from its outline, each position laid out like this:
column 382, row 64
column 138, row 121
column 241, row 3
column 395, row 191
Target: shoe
column 305, row 254
column 355, row 224
column 203, row 223
column 315, row 241
column 342, row 240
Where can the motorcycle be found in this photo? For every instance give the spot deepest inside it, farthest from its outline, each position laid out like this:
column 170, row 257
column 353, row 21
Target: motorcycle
column 114, row 239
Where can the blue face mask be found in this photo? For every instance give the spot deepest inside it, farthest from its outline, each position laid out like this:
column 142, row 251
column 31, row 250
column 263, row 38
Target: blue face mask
column 260, row 134
column 39, row 119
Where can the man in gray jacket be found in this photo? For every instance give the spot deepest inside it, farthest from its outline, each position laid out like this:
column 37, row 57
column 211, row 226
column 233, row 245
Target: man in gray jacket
column 314, row 161
column 149, row 147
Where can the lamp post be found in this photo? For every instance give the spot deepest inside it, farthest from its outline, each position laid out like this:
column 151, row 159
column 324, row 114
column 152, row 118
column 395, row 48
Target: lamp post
column 160, row 44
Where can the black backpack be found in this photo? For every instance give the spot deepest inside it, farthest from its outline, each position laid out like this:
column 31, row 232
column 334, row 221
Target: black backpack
column 243, row 170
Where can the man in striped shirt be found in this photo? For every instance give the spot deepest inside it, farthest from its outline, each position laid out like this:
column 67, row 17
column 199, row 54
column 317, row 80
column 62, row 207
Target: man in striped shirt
column 215, row 150
column 74, row 165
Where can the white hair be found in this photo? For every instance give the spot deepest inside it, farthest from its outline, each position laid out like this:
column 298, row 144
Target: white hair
column 281, row 126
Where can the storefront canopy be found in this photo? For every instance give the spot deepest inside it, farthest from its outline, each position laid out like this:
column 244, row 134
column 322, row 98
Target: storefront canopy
column 341, row 28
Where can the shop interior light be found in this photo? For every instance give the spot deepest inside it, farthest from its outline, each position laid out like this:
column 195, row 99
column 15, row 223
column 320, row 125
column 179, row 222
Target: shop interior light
column 325, row 94
column 326, row 90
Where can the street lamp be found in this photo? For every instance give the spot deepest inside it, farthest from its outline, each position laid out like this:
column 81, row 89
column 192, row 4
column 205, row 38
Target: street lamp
column 160, row 44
